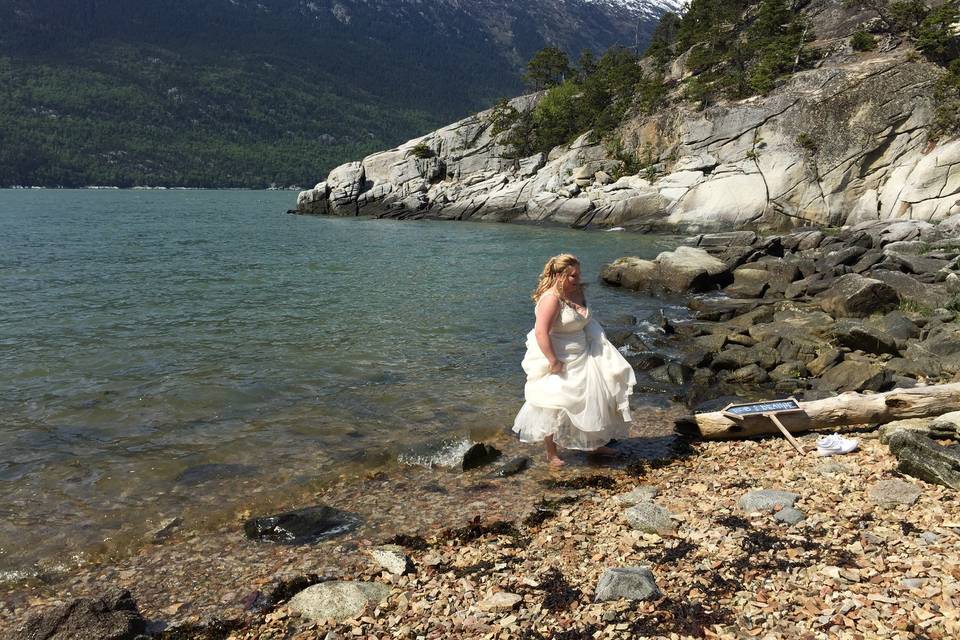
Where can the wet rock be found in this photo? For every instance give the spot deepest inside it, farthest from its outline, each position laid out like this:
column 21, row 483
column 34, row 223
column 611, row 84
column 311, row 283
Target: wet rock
column 789, row 515
column 301, row 526
column 649, row 518
column 646, row 360
column 478, row 455
column 500, row 601
column 827, row 358
column 858, row 336
column 208, row 629
column 672, row 373
column 338, row 600
column 891, row 493
column 643, row 493
column 711, row 343
column 392, row 559
column 922, row 458
column 853, row 375
column 629, row 583
column 164, row 529
column 114, row 617
column 854, row 296
column 766, row 500
column 750, row 374
column 513, row 466
column 201, row 473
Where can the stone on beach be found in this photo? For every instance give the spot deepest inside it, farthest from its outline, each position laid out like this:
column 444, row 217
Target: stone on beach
column 479, row 455
column 893, row 493
column 338, row 600
column 629, row 583
column 920, row 457
column 393, row 559
column 500, row 601
column 513, row 466
column 643, row 493
column 767, row 500
column 649, row 518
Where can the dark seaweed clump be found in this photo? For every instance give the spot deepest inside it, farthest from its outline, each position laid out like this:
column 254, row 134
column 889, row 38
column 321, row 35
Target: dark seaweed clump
column 680, row 551
column 476, row 530
column 414, row 543
column 558, row 593
column 681, row 617
column 584, row 482
column 733, row 522
column 546, row 509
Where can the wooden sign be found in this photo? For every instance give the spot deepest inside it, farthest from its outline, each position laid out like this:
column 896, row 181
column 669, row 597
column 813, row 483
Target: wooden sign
column 766, row 410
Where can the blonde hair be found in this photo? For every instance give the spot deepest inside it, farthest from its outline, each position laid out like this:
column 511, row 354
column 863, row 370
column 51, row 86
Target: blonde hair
column 555, row 267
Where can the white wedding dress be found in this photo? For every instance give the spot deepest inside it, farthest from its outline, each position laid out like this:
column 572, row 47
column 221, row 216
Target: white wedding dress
column 588, row 403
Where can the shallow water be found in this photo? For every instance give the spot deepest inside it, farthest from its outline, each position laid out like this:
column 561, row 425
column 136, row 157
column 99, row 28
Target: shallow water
column 143, row 334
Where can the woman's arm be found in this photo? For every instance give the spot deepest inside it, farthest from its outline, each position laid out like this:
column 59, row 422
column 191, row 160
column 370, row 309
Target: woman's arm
column 546, row 312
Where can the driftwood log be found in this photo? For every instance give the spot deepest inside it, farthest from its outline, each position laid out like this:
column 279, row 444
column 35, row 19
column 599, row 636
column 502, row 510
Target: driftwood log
column 845, row 409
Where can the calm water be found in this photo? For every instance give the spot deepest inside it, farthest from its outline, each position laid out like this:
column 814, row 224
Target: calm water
column 145, row 333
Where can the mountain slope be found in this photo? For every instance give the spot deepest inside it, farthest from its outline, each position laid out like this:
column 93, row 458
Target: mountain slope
column 246, row 93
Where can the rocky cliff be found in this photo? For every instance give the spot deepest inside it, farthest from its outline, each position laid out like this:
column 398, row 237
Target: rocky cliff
column 847, row 141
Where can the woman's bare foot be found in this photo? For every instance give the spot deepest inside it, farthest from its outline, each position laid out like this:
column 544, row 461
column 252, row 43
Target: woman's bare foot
column 604, row 451
column 552, row 457
column 556, row 461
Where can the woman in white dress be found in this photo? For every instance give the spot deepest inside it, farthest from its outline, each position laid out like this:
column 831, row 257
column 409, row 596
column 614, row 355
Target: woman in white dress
column 578, row 385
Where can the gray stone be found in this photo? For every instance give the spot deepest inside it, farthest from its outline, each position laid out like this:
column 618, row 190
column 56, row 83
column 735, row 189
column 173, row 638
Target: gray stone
column 793, row 370
column 689, row 269
column 337, row 600
column 630, row 583
column 114, row 617
column 894, row 492
column 513, row 466
column 921, row 457
column 920, row 425
column 827, row 358
column 912, row 583
column 392, row 558
column 750, row 374
column 858, row 336
column 737, row 357
column 789, row 515
column 643, row 493
column 832, row 467
column 846, row 256
column 856, row 296
column 929, row 537
column 500, row 601
column 649, row 518
column 766, row 500
column 748, row 283
column 853, row 375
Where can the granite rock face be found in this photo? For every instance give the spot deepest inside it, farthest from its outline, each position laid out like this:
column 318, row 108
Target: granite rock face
column 844, row 143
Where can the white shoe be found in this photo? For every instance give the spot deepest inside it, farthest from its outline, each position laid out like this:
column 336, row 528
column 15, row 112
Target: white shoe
column 834, row 444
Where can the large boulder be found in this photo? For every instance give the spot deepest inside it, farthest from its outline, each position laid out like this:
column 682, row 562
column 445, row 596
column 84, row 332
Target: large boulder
column 854, row 375
column 854, row 296
column 690, row 269
column 858, row 336
column 114, row 617
column 922, row 458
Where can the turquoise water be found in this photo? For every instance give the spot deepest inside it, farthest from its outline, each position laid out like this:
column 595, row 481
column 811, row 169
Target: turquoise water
column 145, row 332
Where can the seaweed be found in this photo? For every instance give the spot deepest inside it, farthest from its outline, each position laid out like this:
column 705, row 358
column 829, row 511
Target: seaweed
column 546, row 509
column 476, row 530
column 678, row 552
column 908, row 528
column 414, row 543
column 636, row 469
column 584, row 482
column 558, row 593
column 681, row 617
column 734, row 522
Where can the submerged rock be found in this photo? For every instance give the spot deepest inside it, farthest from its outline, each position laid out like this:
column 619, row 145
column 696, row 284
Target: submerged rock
column 513, row 466
column 114, row 617
column 198, row 474
column 301, row 526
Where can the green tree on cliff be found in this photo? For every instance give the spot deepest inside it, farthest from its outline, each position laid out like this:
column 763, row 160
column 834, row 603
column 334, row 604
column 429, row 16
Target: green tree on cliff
column 547, row 68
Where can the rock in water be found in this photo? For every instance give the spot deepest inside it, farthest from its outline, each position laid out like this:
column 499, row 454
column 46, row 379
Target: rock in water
column 301, row 526
column 201, row 473
column 513, row 466
column 921, row 457
column 338, row 600
column 631, row 583
column 114, row 617
column 479, row 455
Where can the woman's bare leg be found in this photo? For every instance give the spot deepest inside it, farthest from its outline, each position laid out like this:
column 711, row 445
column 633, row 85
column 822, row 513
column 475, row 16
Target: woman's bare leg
column 552, row 456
